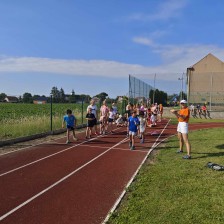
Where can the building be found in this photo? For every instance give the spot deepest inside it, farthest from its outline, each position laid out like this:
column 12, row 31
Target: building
column 40, row 100
column 205, row 82
column 11, row 99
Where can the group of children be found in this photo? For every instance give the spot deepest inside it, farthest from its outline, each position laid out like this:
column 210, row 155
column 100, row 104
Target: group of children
column 136, row 119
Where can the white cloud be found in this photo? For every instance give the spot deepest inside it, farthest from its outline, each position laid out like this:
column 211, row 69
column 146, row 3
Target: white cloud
column 176, row 59
column 144, row 41
column 165, row 11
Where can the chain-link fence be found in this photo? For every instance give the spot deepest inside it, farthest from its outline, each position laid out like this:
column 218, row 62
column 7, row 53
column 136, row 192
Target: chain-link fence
column 138, row 90
column 21, row 120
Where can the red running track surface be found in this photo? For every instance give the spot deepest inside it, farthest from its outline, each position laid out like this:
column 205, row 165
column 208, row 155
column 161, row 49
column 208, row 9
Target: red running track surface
column 73, row 184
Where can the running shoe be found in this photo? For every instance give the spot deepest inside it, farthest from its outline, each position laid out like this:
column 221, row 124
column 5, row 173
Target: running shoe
column 187, row 157
column 133, row 148
column 180, row 151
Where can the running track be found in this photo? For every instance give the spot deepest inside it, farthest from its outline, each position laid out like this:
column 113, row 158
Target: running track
column 78, row 183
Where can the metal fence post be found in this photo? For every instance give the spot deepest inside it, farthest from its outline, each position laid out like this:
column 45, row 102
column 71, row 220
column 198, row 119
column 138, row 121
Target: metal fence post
column 82, row 110
column 51, row 115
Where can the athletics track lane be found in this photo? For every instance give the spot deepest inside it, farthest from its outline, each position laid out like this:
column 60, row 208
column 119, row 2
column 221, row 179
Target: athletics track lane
column 84, row 197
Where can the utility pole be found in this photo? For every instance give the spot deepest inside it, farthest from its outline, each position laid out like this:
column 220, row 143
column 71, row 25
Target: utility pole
column 181, row 79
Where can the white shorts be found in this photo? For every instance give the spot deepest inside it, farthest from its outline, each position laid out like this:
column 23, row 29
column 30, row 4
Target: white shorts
column 132, row 133
column 182, row 127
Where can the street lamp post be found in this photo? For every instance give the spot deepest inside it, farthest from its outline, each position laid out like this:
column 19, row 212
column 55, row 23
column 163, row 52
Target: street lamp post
column 181, row 79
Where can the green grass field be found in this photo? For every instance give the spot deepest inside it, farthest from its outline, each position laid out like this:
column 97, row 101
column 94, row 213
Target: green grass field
column 171, row 190
column 19, row 119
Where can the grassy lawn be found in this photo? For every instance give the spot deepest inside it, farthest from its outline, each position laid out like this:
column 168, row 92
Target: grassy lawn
column 171, row 190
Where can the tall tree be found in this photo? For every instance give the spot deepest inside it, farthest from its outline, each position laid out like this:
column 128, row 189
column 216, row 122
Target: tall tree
column 55, row 94
column 102, row 96
column 27, row 98
column 61, row 96
column 2, row 96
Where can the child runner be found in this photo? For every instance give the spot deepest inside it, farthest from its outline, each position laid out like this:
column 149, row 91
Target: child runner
column 133, row 122
column 94, row 111
column 90, row 123
column 120, row 121
column 111, row 118
column 104, row 117
column 129, row 110
column 142, row 126
column 160, row 112
column 70, row 121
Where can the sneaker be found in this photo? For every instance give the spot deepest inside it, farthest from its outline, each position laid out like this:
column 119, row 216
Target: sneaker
column 75, row 139
column 67, row 142
column 180, row 151
column 130, row 144
column 142, row 141
column 133, row 148
column 187, row 157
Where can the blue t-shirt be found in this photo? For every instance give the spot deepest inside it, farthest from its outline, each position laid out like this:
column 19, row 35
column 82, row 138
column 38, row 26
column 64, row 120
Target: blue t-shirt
column 70, row 120
column 133, row 122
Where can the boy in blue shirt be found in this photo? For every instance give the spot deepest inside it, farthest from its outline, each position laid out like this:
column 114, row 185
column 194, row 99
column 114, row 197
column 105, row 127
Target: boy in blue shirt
column 70, row 121
column 133, row 122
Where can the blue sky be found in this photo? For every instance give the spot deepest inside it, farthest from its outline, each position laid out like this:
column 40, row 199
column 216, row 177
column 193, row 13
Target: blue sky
column 92, row 46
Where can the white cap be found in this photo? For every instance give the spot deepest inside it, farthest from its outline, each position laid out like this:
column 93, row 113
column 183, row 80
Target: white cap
column 183, row 101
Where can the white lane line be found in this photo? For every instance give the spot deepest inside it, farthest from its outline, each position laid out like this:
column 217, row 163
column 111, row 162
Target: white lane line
column 132, row 178
column 30, row 146
column 58, row 182
column 42, row 143
column 51, row 155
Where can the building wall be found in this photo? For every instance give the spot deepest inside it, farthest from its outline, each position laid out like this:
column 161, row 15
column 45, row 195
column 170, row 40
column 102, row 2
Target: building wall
column 206, row 81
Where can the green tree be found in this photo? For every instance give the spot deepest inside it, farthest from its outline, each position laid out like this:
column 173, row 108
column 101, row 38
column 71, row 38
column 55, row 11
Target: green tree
column 102, row 96
column 35, row 97
column 55, row 94
column 61, row 96
column 27, row 98
column 2, row 96
column 159, row 97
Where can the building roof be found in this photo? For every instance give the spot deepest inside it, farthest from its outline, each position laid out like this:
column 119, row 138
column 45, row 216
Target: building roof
column 12, row 98
column 209, row 63
column 41, row 98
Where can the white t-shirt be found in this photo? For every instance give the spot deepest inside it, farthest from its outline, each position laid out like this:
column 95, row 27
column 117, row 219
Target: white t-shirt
column 111, row 114
column 94, row 109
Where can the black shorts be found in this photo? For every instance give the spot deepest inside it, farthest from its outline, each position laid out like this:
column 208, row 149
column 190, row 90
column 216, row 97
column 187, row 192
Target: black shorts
column 91, row 124
column 110, row 120
column 70, row 127
column 95, row 121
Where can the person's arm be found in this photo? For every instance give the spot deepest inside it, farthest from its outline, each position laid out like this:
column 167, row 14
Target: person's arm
column 63, row 123
column 178, row 115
